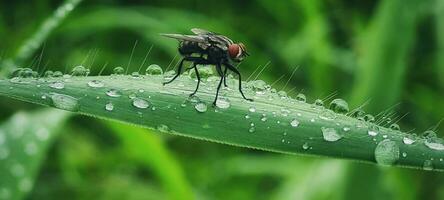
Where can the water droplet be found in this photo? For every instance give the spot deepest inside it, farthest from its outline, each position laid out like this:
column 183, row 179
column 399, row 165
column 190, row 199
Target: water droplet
column 65, row 102
column 154, row 70
column 96, row 84
column 285, row 112
column 428, row 165
column 204, row 72
column 48, row 74
column 429, row 134
column 409, row 139
column 404, row 154
column 373, row 130
column 395, row 127
column 31, row 148
column 327, row 115
column 109, row 106
column 319, row 102
column 223, row 103
column 79, row 71
column 294, row 123
column 57, row 85
column 119, row 71
column 135, row 75
column 140, row 103
column 259, row 86
column 369, row 118
column 305, row 146
column 163, row 128
column 264, row 117
column 113, row 93
column 346, row 129
column 247, row 116
column 339, row 106
column 57, row 74
column 330, row 134
column 386, row 152
column 201, row 107
column 282, row 94
column 434, row 143
column 301, row 97
column 252, row 129
column 252, row 109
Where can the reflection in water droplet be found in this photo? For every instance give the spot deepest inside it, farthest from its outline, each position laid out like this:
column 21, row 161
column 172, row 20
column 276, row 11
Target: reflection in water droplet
column 65, row 102
column 201, row 107
column 57, row 85
column 408, row 140
column 140, row 103
column 109, row 106
column 113, row 93
column 386, row 152
column 294, row 123
column 96, row 84
column 330, row 134
column 373, row 130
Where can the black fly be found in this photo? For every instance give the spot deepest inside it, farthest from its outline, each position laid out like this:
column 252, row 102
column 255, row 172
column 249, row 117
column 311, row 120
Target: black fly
column 208, row 48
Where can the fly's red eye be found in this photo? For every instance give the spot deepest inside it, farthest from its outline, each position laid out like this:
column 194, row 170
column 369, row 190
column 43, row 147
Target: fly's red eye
column 233, row 50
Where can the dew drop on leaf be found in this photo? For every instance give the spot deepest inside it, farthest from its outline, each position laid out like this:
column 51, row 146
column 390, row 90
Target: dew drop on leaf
column 96, row 84
column 395, row 127
column 57, row 85
column 223, row 103
column 113, row 93
column 408, row 139
column 386, row 152
column 294, row 123
column 154, row 70
column 373, row 130
column 109, row 106
column 434, row 143
column 65, row 102
column 140, row 103
column 252, row 109
column 330, row 134
column 119, row 71
column 339, row 106
column 301, row 97
column 79, row 71
column 201, row 107
column 305, row 146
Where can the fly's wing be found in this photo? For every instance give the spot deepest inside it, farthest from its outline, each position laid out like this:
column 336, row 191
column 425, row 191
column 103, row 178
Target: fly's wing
column 217, row 39
column 191, row 38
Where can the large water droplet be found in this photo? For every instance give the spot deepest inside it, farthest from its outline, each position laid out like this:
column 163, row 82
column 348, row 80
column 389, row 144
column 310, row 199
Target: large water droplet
column 109, row 106
column 140, row 103
column 259, row 86
column 301, row 97
column 113, row 93
column 294, row 123
column 434, row 143
column 339, row 106
column 201, row 107
column 223, row 103
column 154, row 70
column 330, row 134
column 57, row 85
column 408, row 139
column 48, row 74
column 65, row 102
column 57, row 74
column 79, row 71
column 386, row 152
column 96, row 84
column 119, row 71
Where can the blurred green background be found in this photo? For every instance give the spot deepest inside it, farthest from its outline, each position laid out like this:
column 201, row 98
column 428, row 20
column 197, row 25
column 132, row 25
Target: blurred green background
column 388, row 53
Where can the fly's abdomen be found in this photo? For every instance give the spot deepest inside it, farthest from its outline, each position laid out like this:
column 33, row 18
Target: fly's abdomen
column 188, row 48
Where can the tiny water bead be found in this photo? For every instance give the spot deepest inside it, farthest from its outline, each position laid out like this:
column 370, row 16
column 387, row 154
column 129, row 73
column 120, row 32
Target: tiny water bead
column 135, row 75
column 408, row 139
column 301, row 97
column 358, row 113
column 65, row 102
column 339, row 106
column 201, row 107
column 109, row 106
column 386, row 152
column 154, row 70
column 79, row 71
column 113, row 93
column 140, row 103
column 327, row 115
column 264, row 117
column 319, row 102
column 57, row 85
column 118, row 71
column 369, row 118
column 163, row 128
column 252, row 109
column 48, row 74
column 57, row 74
column 294, row 123
column 404, row 154
column 282, row 94
column 96, row 84
column 258, row 86
column 305, row 146
column 330, row 134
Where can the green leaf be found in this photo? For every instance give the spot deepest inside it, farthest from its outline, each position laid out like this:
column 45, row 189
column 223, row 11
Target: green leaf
column 24, row 141
column 273, row 122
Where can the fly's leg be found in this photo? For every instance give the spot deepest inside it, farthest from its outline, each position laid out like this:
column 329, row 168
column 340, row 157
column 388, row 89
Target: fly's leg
column 220, row 84
column 240, row 80
column 179, row 70
column 198, row 79
column 225, row 76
